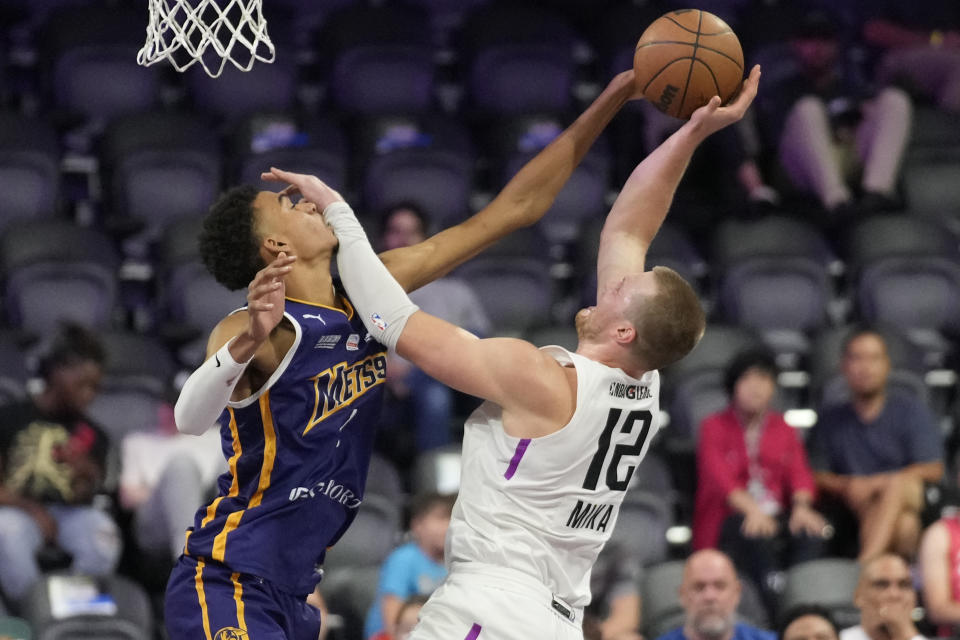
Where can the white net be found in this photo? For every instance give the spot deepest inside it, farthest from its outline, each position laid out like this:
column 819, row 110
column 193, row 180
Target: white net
column 211, row 32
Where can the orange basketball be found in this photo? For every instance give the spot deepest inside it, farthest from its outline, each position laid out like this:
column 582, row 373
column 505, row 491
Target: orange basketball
column 686, row 57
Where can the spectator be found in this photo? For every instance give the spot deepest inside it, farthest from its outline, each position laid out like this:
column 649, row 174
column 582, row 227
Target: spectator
column 415, row 568
column 755, row 489
column 408, row 615
column 164, row 476
column 53, row 461
column 876, row 451
column 919, row 45
column 886, row 600
column 614, row 585
column 710, row 593
column 829, row 126
column 415, row 399
column 940, row 570
column 808, row 622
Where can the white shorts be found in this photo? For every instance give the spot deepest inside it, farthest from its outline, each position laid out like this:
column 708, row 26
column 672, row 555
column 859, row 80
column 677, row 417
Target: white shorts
column 486, row 602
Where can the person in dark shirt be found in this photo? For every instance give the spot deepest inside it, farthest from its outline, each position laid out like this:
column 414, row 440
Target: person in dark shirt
column 918, row 46
column 876, row 451
column 52, row 463
column 829, row 126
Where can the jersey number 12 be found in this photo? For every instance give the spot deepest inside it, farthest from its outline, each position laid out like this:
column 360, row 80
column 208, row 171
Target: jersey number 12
column 614, row 483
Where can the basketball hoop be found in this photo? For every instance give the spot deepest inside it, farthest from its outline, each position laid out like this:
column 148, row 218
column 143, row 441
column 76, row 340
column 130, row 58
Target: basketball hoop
column 211, row 32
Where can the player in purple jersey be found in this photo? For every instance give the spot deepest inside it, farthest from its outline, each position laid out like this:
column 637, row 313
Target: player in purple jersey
column 293, row 379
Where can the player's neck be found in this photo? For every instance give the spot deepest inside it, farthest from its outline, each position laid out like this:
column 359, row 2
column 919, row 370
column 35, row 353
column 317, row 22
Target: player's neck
column 610, row 355
column 312, row 283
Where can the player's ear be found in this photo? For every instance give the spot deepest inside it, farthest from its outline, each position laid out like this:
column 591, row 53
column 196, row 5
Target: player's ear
column 625, row 333
column 273, row 245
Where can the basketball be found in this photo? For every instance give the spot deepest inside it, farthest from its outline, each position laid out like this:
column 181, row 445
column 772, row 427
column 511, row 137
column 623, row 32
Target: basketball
column 686, row 57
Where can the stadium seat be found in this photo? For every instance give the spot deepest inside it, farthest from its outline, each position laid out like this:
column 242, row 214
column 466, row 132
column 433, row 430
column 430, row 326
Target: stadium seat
column 517, row 293
column 437, row 470
column 29, row 168
column 582, row 198
column 13, row 374
column 694, row 384
column 519, row 59
column 427, row 160
column 129, row 617
column 349, row 593
column 371, row 537
column 89, row 54
column 829, row 582
column 191, row 302
column 380, row 58
column 54, row 271
column 236, row 94
column 314, row 146
column 136, row 385
column 158, row 167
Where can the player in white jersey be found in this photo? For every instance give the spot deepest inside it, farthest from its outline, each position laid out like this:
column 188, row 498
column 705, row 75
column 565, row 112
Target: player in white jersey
column 548, row 457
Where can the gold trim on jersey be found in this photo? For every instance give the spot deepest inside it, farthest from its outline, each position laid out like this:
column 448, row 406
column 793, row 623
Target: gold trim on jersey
column 343, row 383
column 266, row 468
column 238, row 598
column 234, row 484
column 348, row 312
column 202, row 597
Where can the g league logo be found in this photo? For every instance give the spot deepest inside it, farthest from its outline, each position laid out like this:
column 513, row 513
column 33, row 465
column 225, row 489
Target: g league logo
column 231, row 633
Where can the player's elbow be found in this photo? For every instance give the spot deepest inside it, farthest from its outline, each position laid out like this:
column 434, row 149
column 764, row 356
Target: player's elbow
column 186, row 420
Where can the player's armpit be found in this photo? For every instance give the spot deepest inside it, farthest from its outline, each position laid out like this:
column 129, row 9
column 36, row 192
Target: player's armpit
column 513, row 373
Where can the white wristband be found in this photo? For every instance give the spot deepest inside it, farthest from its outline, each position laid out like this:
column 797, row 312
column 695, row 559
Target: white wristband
column 207, row 391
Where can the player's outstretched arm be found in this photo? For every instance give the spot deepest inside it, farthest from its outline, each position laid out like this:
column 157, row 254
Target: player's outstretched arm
column 513, row 373
column 522, row 202
column 643, row 202
column 238, row 341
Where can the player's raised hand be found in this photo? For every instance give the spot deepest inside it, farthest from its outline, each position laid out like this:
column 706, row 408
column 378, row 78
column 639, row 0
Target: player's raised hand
column 712, row 117
column 313, row 189
column 265, row 296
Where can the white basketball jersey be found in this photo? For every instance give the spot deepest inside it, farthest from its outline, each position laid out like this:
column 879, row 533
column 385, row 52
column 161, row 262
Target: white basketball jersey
column 546, row 506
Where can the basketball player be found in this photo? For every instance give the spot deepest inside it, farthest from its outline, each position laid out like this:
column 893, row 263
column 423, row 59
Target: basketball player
column 548, row 456
column 295, row 382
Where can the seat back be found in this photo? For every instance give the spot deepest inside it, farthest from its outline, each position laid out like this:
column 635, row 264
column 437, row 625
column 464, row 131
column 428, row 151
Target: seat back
column 829, row 582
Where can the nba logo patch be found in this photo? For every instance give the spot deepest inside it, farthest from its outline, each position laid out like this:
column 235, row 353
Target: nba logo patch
column 378, row 322
column 353, row 342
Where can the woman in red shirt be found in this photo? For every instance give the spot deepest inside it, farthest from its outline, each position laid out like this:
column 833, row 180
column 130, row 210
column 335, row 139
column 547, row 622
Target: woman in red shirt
column 754, row 486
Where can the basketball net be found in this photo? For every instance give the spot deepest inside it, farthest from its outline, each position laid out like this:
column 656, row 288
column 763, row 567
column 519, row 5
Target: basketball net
column 211, row 32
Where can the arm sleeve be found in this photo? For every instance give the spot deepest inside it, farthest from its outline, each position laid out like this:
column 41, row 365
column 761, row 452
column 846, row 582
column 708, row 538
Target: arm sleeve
column 382, row 303
column 207, row 391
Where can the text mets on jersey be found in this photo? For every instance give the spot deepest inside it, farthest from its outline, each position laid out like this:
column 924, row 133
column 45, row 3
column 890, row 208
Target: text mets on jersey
column 629, row 391
column 344, row 382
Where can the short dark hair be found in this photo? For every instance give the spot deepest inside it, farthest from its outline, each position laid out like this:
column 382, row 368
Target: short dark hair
column 858, row 331
column 802, row 610
column 229, row 246
column 72, row 344
column 756, row 357
column 405, row 205
column 670, row 324
column 424, row 503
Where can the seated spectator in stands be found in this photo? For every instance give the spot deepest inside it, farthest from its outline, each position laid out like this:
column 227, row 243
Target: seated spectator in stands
column 940, row 569
column 755, row 489
column 53, row 462
column 164, row 475
column 415, row 400
column 919, row 45
column 876, row 451
column 830, row 127
column 615, row 587
column 710, row 593
column 415, row 568
column 808, row 622
column 886, row 600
